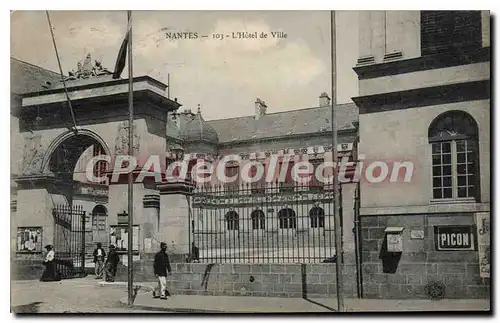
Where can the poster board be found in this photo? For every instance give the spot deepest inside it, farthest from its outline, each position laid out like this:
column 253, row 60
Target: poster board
column 483, row 241
column 118, row 236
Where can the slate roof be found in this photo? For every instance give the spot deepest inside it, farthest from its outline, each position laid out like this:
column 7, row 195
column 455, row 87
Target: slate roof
column 199, row 129
column 284, row 123
column 26, row 77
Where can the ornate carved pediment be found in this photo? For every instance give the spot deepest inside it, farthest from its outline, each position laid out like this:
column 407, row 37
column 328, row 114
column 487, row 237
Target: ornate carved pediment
column 86, row 70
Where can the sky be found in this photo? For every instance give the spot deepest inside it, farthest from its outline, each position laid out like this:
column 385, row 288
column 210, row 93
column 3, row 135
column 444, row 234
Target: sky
column 224, row 76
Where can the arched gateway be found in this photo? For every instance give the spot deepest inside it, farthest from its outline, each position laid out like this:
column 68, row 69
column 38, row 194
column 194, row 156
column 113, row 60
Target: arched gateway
column 54, row 197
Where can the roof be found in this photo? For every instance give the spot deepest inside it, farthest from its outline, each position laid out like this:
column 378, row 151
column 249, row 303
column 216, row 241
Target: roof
column 284, row 123
column 198, row 129
column 26, row 77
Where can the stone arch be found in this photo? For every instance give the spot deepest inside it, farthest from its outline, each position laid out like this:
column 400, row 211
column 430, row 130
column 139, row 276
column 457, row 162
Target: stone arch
column 457, row 121
column 87, row 138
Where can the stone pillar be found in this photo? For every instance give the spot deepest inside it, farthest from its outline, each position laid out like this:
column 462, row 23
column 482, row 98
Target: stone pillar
column 365, row 38
column 393, row 34
column 36, row 197
column 378, row 33
column 485, row 28
column 151, row 204
column 402, row 34
column 175, row 228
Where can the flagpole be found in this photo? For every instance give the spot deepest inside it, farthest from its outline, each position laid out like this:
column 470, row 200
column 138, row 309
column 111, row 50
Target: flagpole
column 130, row 153
column 336, row 198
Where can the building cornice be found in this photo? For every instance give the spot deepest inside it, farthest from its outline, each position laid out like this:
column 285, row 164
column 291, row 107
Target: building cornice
column 328, row 134
column 428, row 62
column 421, row 97
column 436, row 208
column 93, row 85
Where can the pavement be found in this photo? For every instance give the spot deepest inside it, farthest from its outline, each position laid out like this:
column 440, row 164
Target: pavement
column 88, row 295
column 79, row 295
column 248, row 304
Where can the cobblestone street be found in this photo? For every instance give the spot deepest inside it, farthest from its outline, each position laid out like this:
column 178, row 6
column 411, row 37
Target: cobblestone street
column 82, row 295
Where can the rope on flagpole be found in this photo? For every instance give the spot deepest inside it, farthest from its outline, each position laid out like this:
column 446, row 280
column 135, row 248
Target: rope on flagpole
column 62, row 75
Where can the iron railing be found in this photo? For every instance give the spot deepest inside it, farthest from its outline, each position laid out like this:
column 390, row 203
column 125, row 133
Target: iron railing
column 274, row 223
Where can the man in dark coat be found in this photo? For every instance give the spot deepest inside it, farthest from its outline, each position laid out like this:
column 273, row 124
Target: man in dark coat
column 161, row 266
column 111, row 264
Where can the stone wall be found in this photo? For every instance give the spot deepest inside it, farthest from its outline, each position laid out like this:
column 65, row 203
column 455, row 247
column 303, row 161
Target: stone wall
column 26, row 267
column 266, row 280
column 406, row 276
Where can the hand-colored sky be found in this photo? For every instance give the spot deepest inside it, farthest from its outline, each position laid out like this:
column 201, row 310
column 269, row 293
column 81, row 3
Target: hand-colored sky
column 226, row 76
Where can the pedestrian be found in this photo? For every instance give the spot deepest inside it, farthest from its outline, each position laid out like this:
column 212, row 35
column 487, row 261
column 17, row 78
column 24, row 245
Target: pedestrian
column 161, row 267
column 111, row 264
column 50, row 272
column 99, row 256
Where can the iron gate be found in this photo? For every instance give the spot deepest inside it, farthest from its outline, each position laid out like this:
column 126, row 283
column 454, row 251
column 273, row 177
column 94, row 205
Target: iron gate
column 69, row 240
column 275, row 223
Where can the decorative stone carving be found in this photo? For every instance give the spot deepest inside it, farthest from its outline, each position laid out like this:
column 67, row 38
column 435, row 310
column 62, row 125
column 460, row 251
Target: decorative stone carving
column 32, row 155
column 87, row 70
column 121, row 142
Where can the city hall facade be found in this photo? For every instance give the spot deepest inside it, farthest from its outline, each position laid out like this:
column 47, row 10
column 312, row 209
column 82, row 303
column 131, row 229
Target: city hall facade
column 423, row 98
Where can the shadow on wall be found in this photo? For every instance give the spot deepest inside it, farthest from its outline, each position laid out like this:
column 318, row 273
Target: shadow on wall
column 206, row 276
column 390, row 260
column 303, row 275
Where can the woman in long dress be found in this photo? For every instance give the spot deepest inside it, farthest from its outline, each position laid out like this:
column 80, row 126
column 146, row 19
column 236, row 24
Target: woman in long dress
column 50, row 272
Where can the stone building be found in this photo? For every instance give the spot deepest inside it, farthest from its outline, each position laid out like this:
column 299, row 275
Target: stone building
column 423, row 100
column 235, row 219
column 424, row 80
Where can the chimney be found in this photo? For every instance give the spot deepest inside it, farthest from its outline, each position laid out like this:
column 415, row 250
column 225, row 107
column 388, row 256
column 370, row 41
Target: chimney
column 324, row 100
column 260, row 108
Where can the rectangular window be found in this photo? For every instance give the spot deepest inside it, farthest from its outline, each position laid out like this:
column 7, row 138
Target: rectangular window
column 29, row 239
column 453, row 169
column 443, row 31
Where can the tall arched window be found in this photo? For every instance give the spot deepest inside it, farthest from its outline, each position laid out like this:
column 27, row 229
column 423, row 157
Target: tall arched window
column 455, row 162
column 317, row 216
column 287, row 219
column 258, row 220
column 232, row 221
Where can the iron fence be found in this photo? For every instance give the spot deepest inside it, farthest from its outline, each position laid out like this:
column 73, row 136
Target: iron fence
column 270, row 223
